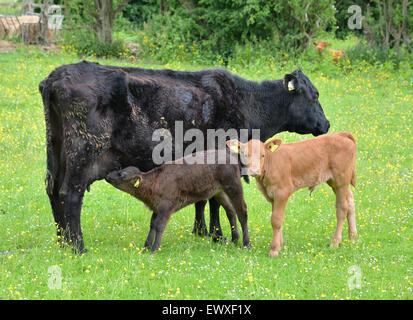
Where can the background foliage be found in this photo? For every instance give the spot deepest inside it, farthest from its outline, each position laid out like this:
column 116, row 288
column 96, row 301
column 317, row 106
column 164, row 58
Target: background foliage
column 225, row 31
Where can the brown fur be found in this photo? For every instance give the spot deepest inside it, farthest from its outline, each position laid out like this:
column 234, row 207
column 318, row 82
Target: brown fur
column 281, row 169
column 174, row 185
column 322, row 45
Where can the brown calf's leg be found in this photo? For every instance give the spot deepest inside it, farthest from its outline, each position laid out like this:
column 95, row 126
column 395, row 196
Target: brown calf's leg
column 277, row 219
column 351, row 218
column 342, row 208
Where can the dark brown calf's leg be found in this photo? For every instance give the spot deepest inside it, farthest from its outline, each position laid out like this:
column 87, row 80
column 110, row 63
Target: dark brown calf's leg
column 223, row 200
column 149, row 240
column 160, row 222
column 235, row 194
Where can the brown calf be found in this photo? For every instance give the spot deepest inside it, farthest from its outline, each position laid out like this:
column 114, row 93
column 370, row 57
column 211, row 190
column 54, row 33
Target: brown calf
column 174, row 185
column 322, row 45
column 281, row 169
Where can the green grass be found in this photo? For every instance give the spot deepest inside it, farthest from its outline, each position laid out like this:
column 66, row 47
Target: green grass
column 376, row 106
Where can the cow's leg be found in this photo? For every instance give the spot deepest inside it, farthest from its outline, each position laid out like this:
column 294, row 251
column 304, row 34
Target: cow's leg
column 53, row 184
column 71, row 199
column 152, row 232
column 71, row 196
column 225, row 202
column 54, row 179
column 199, row 224
column 351, row 217
column 277, row 219
column 214, row 224
column 342, row 207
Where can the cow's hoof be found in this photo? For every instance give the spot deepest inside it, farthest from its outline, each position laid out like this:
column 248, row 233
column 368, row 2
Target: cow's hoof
column 200, row 231
column 235, row 240
column 273, row 253
column 80, row 252
column 247, row 245
column 219, row 239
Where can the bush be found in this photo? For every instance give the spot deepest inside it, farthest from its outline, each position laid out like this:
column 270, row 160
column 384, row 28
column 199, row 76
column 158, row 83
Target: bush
column 219, row 27
column 84, row 44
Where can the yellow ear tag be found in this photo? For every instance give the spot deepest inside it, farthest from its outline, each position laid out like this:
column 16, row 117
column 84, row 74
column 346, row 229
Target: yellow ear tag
column 136, row 185
column 273, row 147
column 291, row 86
column 234, row 149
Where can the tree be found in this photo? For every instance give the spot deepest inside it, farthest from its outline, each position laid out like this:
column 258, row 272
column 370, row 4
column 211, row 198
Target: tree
column 393, row 21
column 388, row 23
column 103, row 14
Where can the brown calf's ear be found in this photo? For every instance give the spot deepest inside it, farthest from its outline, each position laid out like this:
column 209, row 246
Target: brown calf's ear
column 273, row 145
column 233, row 145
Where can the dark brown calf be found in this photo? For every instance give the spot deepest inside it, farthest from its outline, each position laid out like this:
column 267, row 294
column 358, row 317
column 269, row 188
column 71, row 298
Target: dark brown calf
column 174, row 185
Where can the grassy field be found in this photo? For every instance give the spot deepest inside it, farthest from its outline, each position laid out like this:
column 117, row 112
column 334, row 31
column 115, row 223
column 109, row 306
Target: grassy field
column 374, row 105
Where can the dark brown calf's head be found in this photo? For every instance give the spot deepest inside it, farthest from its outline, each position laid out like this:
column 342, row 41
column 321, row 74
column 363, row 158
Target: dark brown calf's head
column 128, row 179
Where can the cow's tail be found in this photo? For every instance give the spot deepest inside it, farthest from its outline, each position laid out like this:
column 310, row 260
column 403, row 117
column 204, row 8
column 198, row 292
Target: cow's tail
column 246, row 178
column 353, row 173
column 241, row 167
column 46, row 88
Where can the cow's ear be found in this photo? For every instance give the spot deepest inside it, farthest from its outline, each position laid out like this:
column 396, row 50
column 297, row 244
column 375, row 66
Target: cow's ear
column 273, row 145
column 290, row 82
column 234, row 145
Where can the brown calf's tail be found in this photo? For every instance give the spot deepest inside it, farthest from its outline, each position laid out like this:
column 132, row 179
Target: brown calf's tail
column 353, row 177
column 347, row 135
column 353, row 174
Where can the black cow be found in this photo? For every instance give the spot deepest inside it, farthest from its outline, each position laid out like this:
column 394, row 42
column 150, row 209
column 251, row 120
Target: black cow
column 101, row 118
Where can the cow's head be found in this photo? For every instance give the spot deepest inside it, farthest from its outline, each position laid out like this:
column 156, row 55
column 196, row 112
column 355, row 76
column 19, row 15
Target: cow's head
column 305, row 114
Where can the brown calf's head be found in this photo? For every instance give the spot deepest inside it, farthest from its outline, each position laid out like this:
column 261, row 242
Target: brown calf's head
column 321, row 45
column 253, row 153
column 128, row 179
